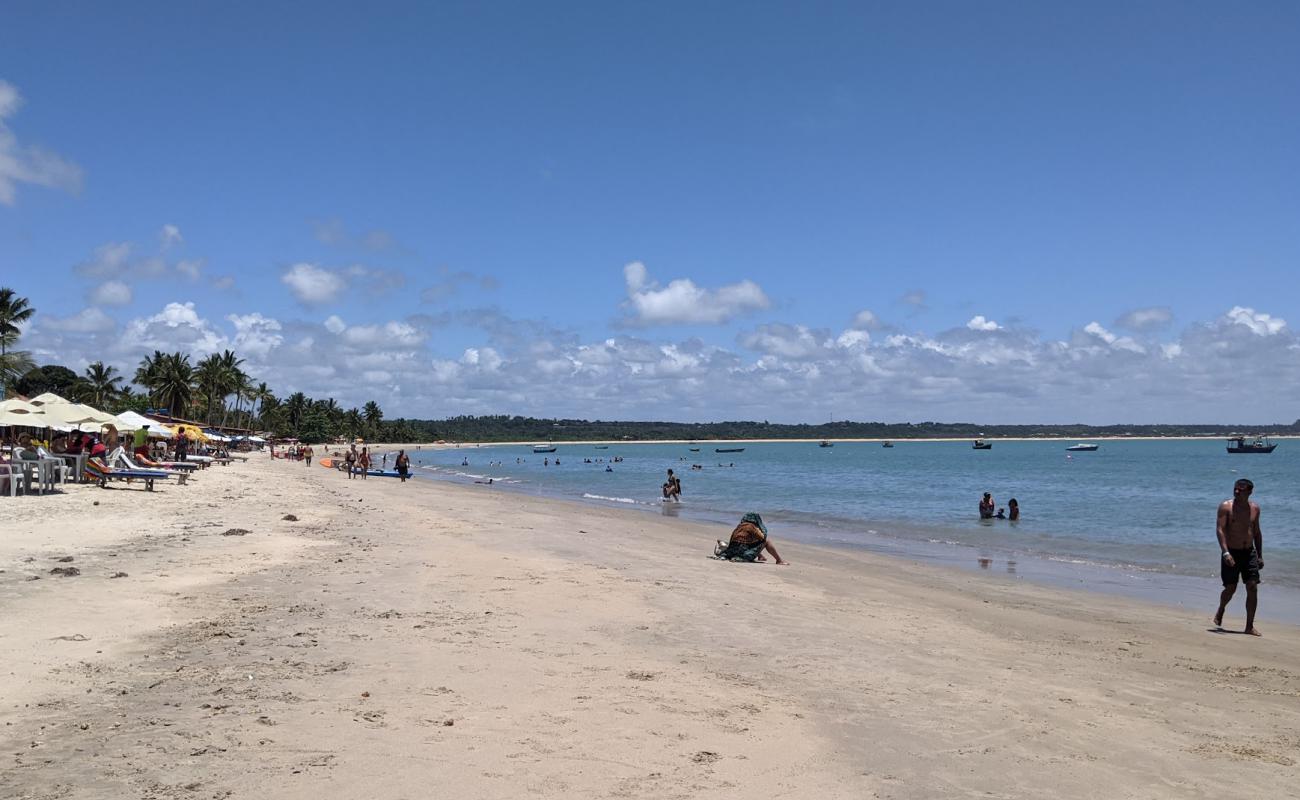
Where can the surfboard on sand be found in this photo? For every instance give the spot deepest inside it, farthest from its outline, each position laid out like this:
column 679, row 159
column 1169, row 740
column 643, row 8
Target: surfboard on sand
column 328, row 463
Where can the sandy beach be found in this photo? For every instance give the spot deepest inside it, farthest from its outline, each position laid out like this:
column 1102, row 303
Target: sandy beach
column 275, row 630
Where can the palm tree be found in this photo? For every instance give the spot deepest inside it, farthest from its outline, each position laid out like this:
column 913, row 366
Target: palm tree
column 14, row 311
column 210, row 377
column 372, row 415
column 294, row 409
column 101, row 383
column 149, row 373
column 13, row 365
column 353, row 421
column 175, row 383
column 261, row 394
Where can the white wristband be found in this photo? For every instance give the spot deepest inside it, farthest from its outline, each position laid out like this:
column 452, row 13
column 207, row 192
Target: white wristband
column 1226, row 554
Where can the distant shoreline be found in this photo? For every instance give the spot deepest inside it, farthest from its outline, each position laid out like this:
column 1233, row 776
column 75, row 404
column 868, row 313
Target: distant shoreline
column 704, row 442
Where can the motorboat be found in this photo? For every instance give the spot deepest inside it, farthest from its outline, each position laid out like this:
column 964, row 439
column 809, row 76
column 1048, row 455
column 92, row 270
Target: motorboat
column 1082, row 447
column 1259, row 444
column 543, row 448
column 826, row 443
column 887, row 444
column 728, row 449
column 980, row 444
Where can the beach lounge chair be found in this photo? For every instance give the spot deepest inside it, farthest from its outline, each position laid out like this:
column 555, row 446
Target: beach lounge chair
column 119, row 459
column 100, row 473
column 11, row 478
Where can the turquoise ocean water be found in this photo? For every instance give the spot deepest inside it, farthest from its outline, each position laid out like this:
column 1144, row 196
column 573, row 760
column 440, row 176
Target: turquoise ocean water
column 1132, row 508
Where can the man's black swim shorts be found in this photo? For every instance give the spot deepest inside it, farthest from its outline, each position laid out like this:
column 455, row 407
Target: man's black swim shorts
column 1245, row 566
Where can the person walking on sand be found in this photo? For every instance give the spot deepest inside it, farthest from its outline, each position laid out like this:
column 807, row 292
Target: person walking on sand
column 307, row 454
column 403, row 464
column 364, row 462
column 1242, row 550
column 351, row 460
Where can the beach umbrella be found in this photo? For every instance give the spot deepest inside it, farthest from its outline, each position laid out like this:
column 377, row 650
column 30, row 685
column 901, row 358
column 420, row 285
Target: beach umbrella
column 46, row 397
column 19, row 417
column 132, row 421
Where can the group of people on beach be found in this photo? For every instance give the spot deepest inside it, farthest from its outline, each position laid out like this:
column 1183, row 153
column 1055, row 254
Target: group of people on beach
column 987, row 509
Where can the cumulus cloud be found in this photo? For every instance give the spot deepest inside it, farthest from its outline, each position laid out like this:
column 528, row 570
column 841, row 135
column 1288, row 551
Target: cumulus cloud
column 255, row 335
column 29, row 164
column 178, row 325
column 865, row 321
column 1143, row 319
column 88, row 320
column 1095, row 330
column 979, row 323
column 118, row 261
column 1258, row 323
column 110, row 293
column 312, row 285
column 682, row 302
column 787, row 341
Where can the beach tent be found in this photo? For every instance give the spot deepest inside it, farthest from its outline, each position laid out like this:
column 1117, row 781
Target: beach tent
column 131, row 421
column 216, row 437
column 65, row 414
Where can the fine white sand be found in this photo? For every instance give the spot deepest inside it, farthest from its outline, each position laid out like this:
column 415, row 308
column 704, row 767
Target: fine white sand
column 428, row 640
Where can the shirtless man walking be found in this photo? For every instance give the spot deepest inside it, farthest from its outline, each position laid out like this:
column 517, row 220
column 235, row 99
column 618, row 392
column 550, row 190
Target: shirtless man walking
column 1242, row 547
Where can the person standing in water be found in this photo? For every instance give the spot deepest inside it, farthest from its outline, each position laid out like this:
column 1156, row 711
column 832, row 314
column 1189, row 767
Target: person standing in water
column 673, row 488
column 1242, row 551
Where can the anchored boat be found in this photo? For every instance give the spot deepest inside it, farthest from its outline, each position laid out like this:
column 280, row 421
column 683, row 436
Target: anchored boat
column 1260, row 444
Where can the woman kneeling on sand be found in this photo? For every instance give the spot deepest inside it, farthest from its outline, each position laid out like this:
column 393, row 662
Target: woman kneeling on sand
column 748, row 541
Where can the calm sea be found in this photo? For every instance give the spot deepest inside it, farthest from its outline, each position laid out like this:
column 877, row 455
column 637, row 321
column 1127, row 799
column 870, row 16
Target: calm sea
column 1136, row 508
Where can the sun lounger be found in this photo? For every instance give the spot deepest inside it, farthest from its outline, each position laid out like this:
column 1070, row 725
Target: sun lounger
column 101, row 474
column 119, row 459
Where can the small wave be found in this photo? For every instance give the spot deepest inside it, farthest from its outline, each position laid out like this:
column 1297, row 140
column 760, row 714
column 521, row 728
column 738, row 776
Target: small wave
column 629, row 500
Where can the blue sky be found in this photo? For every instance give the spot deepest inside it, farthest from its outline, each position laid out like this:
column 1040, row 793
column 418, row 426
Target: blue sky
column 999, row 212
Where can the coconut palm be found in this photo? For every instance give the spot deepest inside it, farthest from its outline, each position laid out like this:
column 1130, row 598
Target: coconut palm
column 372, row 415
column 101, row 383
column 294, row 410
column 175, row 383
column 14, row 311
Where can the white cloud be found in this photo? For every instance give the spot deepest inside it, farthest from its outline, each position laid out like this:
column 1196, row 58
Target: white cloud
column 865, row 321
column 169, row 236
column 223, row 282
column 111, row 293
column 978, row 323
column 177, row 326
column 312, row 285
column 28, row 163
column 682, row 302
column 786, row 341
column 88, row 320
column 1142, row 319
column 1259, row 324
column 190, row 268
column 334, row 325
column 109, row 260
column 255, row 335
column 914, row 298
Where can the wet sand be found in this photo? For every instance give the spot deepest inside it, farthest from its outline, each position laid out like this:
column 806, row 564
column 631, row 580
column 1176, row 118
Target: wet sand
column 426, row 639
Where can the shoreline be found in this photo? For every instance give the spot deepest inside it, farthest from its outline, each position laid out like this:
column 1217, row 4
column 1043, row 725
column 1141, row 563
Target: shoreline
column 570, row 442
column 395, row 637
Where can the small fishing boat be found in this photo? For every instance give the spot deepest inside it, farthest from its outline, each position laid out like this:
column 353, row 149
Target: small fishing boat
column 1260, row 444
column 1082, row 448
column 728, row 449
column 980, row 444
column 826, row 443
column 695, row 449
column 887, row 444
column 543, row 448
column 602, row 447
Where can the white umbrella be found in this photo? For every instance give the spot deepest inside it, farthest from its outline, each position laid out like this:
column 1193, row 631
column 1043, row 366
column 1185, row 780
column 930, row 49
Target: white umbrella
column 131, row 421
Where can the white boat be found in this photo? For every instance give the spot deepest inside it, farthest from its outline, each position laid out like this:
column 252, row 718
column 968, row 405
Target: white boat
column 1082, row 448
column 543, row 448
